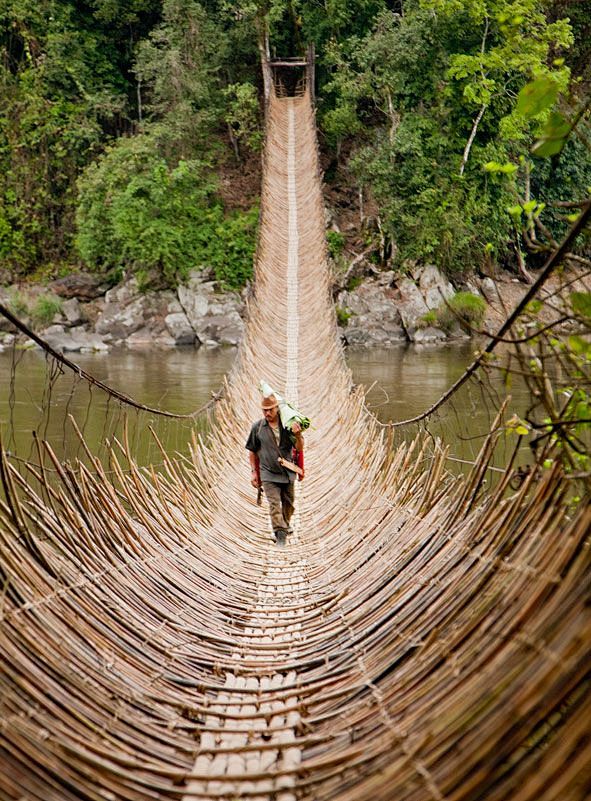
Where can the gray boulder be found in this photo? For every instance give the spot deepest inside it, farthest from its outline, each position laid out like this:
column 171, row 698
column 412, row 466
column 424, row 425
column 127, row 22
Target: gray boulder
column 211, row 315
column 72, row 311
column 123, row 293
column 375, row 319
column 164, row 340
column 489, row 290
column 434, row 287
column 226, row 329
column 142, row 338
column 179, row 328
column 6, row 341
column 429, row 334
column 357, row 336
column 120, row 320
column 79, row 285
column 73, row 339
column 411, row 305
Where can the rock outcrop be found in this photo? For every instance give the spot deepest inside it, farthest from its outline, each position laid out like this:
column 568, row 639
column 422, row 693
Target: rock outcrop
column 83, row 286
column 196, row 314
column 216, row 318
column 75, row 339
column 387, row 308
column 384, row 309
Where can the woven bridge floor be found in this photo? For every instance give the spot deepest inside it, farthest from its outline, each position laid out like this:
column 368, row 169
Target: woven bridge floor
column 417, row 638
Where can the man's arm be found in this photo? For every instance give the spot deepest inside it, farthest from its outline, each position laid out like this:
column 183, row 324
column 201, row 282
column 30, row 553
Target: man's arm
column 296, row 430
column 255, row 470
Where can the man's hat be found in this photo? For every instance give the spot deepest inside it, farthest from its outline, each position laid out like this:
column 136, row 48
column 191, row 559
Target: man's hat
column 269, row 402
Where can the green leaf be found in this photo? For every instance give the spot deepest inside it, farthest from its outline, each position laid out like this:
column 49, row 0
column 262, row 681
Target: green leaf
column 534, row 306
column 553, row 137
column 578, row 345
column 537, row 96
column 495, row 166
column 529, row 206
column 581, row 303
column 515, row 212
column 518, row 426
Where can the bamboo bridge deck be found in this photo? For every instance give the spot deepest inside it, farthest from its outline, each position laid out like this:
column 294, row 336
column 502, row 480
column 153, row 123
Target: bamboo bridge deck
column 416, row 639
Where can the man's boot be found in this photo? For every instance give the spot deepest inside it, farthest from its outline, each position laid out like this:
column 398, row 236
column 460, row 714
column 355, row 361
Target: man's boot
column 280, row 537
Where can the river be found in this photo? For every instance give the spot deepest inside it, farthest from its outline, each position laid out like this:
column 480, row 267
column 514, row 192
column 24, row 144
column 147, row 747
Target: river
column 402, row 382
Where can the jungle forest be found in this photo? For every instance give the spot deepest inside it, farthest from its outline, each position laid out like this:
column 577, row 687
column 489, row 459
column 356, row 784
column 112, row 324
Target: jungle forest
column 131, row 130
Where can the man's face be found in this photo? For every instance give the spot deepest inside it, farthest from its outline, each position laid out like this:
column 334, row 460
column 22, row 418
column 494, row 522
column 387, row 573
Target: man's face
column 271, row 414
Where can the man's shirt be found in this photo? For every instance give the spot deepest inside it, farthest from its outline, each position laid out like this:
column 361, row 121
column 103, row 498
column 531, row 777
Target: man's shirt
column 262, row 441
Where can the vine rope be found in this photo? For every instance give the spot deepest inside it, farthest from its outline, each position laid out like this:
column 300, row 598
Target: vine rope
column 554, row 261
column 79, row 371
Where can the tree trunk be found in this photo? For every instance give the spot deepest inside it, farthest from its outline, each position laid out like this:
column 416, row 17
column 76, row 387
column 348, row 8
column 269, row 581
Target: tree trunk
column 523, row 273
column 139, row 100
column 471, row 139
column 234, row 142
column 394, row 117
column 263, row 44
column 361, row 214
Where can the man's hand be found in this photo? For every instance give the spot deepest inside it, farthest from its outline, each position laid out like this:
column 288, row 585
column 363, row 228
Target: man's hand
column 296, row 428
column 255, row 480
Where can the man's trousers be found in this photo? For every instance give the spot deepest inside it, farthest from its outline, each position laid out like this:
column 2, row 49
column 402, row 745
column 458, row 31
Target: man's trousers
column 281, row 503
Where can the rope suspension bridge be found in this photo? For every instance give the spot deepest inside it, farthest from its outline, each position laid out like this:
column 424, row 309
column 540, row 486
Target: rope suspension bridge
column 419, row 639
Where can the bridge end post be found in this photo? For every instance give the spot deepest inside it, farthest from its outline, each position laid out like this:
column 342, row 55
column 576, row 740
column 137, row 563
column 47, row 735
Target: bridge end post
column 311, row 72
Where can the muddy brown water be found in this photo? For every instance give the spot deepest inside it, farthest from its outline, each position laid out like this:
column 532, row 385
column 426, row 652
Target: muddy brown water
column 401, row 382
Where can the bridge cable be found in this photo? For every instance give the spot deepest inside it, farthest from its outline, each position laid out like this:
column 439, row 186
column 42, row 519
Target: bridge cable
column 95, row 381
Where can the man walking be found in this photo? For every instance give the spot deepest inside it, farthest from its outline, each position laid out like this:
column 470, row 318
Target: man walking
column 269, row 444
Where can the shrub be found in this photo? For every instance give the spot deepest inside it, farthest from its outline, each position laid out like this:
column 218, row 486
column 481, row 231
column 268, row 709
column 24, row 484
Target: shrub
column 45, row 309
column 428, row 319
column 17, row 303
column 139, row 213
column 354, row 282
column 336, row 243
column 231, row 247
column 244, row 115
column 343, row 316
column 464, row 308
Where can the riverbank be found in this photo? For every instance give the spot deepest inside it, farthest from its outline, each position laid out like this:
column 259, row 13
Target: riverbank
column 80, row 313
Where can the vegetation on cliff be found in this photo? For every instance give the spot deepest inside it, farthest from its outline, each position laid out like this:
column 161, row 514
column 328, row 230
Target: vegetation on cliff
column 127, row 126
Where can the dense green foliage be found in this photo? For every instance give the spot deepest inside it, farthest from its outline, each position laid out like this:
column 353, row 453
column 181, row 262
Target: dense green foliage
column 430, row 97
column 118, row 117
column 137, row 212
column 463, row 308
column 113, row 115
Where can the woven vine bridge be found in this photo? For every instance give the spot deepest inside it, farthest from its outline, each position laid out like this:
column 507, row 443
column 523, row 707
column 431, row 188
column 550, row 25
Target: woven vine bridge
column 417, row 638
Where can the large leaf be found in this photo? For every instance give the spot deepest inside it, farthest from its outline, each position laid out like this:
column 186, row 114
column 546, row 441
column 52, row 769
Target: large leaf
column 537, row 96
column 554, row 136
column 581, row 303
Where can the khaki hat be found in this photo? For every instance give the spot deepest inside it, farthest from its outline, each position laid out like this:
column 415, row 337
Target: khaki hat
column 270, row 402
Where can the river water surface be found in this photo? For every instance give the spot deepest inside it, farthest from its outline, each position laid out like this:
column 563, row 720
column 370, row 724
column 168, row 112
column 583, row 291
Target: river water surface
column 402, row 382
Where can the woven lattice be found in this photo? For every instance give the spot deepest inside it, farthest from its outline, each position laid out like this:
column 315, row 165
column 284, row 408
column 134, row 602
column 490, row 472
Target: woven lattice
column 417, row 639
